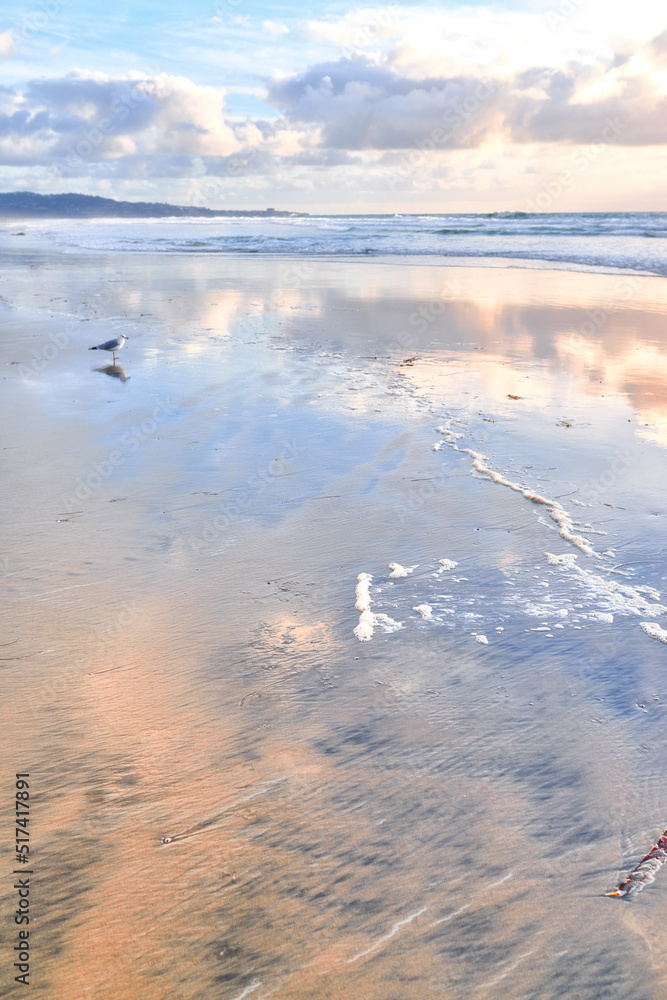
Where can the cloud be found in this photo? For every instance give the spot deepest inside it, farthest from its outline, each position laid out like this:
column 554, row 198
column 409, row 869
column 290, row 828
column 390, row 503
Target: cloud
column 360, row 103
column 190, row 119
column 7, row 44
column 359, row 28
column 659, row 43
column 274, row 29
column 95, row 117
column 350, row 115
column 629, row 100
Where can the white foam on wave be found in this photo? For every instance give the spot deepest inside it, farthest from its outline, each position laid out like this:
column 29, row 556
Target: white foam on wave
column 653, row 630
column 556, row 510
column 566, row 559
column 651, row 591
column 362, row 591
column 450, row 436
column 367, row 620
column 482, row 638
column 447, row 564
column 425, row 610
column 365, row 628
column 398, row 571
column 620, row 597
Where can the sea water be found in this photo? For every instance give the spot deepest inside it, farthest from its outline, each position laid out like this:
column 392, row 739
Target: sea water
column 627, row 240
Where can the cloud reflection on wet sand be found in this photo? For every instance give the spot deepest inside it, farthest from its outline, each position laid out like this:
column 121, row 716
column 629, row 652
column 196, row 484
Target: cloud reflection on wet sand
column 415, row 816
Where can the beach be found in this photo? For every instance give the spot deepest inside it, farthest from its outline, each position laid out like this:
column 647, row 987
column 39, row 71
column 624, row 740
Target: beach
column 233, row 792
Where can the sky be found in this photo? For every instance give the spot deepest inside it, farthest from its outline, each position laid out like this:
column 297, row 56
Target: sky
column 530, row 105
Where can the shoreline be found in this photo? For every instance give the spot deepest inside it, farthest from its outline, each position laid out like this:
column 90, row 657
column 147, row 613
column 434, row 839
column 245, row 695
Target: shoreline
column 607, row 243
column 490, row 261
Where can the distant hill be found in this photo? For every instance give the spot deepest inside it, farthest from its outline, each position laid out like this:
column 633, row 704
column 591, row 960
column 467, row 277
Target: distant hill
column 27, row 204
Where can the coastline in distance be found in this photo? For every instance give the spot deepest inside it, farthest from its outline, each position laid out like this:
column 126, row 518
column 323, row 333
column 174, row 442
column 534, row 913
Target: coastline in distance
column 23, row 204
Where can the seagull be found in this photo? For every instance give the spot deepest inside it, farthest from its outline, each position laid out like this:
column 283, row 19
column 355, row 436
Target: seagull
column 111, row 345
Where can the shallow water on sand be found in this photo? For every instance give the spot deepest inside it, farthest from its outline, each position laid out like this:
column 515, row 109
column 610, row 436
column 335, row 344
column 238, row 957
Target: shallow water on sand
column 424, row 814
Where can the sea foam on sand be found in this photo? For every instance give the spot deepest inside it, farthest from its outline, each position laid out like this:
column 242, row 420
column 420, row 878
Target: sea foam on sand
column 654, row 631
column 556, row 511
column 367, row 620
column 398, row 571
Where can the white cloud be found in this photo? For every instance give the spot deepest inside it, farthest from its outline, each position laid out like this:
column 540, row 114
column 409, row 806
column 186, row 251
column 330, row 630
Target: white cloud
column 362, row 103
column 471, row 40
column 7, row 44
column 359, row 28
column 95, row 117
column 190, row 119
column 274, row 29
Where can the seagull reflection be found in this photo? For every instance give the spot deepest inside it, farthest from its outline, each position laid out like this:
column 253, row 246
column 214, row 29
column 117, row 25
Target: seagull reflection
column 115, row 371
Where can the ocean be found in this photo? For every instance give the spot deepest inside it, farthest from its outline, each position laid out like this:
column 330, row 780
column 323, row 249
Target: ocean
column 633, row 241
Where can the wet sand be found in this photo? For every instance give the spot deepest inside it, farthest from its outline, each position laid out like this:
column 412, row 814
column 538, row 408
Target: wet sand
column 419, row 815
